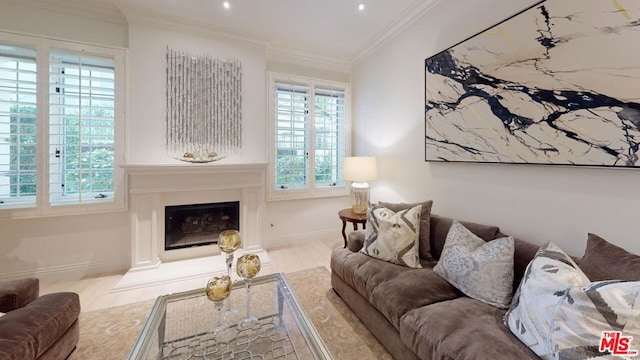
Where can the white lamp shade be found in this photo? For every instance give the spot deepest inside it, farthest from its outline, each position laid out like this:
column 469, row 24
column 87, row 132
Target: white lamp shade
column 360, row 168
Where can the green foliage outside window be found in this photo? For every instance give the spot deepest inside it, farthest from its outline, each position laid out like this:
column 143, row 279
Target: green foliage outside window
column 325, row 170
column 22, row 151
column 291, row 170
column 88, row 166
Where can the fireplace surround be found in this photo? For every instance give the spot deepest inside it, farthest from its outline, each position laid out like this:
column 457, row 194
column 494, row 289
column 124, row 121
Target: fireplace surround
column 152, row 187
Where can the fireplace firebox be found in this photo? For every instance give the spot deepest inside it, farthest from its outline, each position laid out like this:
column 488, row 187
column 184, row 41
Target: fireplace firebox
column 199, row 224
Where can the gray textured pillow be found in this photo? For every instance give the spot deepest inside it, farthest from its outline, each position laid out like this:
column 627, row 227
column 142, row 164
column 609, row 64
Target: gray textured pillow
column 393, row 236
column 481, row 270
column 559, row 314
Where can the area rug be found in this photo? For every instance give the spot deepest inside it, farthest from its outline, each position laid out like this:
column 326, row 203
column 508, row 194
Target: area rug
column 110, row 333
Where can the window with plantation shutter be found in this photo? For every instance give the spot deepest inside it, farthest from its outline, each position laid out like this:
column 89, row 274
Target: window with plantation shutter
column 292, row 145
column 18, row 92
column 309, row 123
column 61, row 127
column 81, row 128
column 329, row 122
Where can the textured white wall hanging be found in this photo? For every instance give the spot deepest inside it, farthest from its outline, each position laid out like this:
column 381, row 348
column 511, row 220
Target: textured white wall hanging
column 204, row 107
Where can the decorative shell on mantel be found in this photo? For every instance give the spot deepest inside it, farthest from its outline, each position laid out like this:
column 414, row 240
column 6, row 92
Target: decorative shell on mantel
column 190, row 157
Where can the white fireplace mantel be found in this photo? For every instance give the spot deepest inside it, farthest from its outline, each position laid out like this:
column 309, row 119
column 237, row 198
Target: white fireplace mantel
column 154, row 186
column 148, row 178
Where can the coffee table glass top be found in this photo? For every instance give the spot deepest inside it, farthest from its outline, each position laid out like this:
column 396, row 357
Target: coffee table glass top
column 181, row 325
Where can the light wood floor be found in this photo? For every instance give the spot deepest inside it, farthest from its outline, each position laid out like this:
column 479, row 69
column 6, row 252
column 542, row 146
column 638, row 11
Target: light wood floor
column 95, row 293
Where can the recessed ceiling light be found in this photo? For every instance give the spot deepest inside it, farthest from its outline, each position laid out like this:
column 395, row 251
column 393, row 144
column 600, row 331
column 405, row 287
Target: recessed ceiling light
column 226, row 5
column 362, row 6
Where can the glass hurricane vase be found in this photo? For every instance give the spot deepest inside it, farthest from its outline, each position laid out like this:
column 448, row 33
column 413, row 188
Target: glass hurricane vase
column 218, row 289
column 247, row 267
column 228, row 242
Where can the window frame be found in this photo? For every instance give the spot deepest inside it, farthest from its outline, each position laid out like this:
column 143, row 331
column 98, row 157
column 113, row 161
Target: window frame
column 311, row 191
column 24, row 41
column 44, row 206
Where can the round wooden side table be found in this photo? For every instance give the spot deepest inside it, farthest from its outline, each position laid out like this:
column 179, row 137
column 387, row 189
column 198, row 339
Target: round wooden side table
column 347, row 215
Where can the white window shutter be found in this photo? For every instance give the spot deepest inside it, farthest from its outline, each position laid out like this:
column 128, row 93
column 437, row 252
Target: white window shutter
column 18, row 94
column 329, row 122
column 291, row 136
column 81, row 128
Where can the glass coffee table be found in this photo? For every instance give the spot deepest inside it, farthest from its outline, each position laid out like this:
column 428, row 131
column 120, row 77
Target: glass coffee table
column 181, row 325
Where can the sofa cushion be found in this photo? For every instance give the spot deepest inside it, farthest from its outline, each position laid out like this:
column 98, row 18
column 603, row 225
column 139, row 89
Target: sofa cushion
column 462, row 329
column 15, row 294
column 28, row 332
column 424, row 243
column 64, row 345
column 559, row 313
column 523, row 254
column 482, row 270
column 355, row 240
column 393, row 236
column 392, row 289
column 605, row 261
column 440, row 228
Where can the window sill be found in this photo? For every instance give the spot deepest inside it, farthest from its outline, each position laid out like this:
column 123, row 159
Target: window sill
column 283, row 195
column 66, row 210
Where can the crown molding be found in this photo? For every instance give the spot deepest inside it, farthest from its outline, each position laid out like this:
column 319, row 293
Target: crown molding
column 275, row 53
column 400, row 23
column 173, row 23
column 120, row 12
column 94, row 9
column 314, row 60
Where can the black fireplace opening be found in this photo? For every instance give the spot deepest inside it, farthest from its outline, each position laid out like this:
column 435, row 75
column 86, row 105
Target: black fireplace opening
column 198, row 224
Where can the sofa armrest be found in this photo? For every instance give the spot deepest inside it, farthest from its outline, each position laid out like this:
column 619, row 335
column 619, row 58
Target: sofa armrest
column 355, row 240
column 18, row 293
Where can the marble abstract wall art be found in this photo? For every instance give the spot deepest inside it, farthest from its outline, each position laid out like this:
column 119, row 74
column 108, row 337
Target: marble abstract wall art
column 558, row 83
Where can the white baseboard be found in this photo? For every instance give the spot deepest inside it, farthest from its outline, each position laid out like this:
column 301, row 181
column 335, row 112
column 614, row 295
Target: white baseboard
column 293, row 239
column 70, row 272
column 86, row 269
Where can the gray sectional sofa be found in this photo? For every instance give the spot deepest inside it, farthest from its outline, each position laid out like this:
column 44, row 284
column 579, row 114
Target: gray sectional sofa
column 415, row 313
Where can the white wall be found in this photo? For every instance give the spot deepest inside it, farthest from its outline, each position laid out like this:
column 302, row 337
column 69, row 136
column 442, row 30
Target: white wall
column 536, row 203
column 77, row 246
column 65, row 246
column 40, row 21
column 295, row 221
column 146, row 134
column 292, row 221
column 287, row 221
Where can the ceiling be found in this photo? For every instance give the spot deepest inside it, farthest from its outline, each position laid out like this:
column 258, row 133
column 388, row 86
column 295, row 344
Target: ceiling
column 333, row 30
column 321, row 31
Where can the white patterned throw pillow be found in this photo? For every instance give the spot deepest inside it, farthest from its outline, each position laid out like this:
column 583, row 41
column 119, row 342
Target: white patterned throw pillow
column 392, row 236
column 482, row 270
column 559, row 314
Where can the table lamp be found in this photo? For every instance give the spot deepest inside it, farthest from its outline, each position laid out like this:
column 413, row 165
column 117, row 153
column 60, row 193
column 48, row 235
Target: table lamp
column 359, row 170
